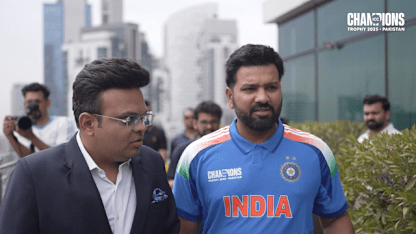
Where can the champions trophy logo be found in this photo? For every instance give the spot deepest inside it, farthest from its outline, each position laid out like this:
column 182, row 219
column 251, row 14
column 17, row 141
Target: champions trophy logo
column 375, row 22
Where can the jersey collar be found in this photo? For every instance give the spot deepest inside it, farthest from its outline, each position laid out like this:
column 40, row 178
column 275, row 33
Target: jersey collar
column 246, row 146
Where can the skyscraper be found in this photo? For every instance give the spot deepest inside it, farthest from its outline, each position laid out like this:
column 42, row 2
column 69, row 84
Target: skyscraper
column 183, row 52
column 111, row 39
column 197, row 44
column 62, row 22
column 219, row 40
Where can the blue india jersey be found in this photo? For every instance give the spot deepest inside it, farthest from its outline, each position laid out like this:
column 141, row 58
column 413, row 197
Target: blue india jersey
column 237, row 186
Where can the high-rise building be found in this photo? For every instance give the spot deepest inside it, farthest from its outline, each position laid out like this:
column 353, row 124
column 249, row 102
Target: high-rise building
column 111, row 11
column 62, row 23
column 337, row 52
column 18, row 100
column 219, row 40
column 195, row 43
column 112, row 40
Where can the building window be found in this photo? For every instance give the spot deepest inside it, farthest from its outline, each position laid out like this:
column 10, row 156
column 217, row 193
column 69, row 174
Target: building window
column 226, row 53
column 347, row 75
column 297, row 35
column 101, row 52
column 402, row 77
column 215, row 39
column 298, row 88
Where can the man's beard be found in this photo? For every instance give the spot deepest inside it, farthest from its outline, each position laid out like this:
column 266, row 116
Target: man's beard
column 374, row 125
column 261, row 124
column 36, row 115
column 205, row 132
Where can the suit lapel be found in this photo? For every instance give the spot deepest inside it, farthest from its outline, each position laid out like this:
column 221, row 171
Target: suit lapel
column 143, row 187
column 84, row 189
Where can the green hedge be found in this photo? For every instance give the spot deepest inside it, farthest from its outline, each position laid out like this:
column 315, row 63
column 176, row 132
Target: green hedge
column 378, row 177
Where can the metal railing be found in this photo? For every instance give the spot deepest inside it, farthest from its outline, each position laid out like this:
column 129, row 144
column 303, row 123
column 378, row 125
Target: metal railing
column 6, row 170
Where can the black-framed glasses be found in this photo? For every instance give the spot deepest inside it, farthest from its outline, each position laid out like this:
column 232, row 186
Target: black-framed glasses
column 133, row 120
column 212, row 122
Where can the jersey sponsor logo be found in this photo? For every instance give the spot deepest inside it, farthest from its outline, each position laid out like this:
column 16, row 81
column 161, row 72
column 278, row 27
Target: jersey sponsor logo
column 225, row 174
column 290, row 171
column 256, row 206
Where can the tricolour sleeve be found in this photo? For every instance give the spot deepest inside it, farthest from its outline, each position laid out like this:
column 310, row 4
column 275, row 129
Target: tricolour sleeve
column 330, row 201
column 186, row 195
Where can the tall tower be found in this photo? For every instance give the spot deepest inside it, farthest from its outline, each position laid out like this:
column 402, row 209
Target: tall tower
column 111, row 11
column 219, row 41
column 183, row 52
column 62, row 22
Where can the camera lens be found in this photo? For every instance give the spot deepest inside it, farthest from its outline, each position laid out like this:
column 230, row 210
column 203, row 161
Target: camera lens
column 24, row 123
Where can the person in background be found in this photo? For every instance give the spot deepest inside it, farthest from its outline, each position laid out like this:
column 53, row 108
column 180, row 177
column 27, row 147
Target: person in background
column 188, row 134
column 258, row 175
column 47, row 131
column 155, row 138
column 206, row 119
column 103, row 180
column 377, row 116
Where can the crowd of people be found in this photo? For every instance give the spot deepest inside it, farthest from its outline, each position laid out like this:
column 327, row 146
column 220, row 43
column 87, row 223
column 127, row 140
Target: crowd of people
column 104, row 171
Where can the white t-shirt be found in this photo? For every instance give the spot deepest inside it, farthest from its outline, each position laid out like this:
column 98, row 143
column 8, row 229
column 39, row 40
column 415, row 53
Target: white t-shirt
column 58, row 130
column 389, row 129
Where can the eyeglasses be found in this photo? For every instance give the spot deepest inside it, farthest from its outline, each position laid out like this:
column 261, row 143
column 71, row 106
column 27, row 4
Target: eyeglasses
column 204, row 122
column 133, row 120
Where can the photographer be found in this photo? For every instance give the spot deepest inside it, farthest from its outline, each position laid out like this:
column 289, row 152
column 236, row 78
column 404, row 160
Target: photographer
column 47, row 131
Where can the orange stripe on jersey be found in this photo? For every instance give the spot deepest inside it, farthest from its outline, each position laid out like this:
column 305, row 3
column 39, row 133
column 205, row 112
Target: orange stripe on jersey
column 214, row 138
column 301, row 136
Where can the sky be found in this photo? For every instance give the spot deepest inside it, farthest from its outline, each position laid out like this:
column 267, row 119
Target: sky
column 21, row 40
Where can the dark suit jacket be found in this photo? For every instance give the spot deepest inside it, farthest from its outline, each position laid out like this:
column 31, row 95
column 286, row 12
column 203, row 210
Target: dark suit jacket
column 53, row 191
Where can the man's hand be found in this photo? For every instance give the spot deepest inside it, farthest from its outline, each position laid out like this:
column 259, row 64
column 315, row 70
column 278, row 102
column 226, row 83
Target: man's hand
column 28, row 134
column 9, row 126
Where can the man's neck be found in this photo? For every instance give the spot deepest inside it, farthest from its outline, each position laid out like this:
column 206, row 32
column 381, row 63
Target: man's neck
column 109, row 167
column 42, row 121
column 254, row 136
column 190, row 133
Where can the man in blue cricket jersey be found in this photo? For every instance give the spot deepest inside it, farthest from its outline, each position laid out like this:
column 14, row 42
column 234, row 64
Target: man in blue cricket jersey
column 258, row 175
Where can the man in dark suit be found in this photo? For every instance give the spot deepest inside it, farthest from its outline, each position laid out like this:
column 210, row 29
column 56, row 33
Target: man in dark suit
column 103, row 180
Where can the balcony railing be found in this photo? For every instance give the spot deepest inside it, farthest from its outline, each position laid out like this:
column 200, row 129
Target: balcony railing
column 7, row 163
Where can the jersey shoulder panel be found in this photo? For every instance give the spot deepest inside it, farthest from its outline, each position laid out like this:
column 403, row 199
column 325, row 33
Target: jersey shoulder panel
column 215, row 138
column 305, row 137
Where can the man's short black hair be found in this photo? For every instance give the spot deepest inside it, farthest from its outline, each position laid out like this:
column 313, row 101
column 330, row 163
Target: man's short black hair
column 251, row 55
column 147, row 103
column 103, row 74
column 208, row 107
column 35, row 87
column 371, row 99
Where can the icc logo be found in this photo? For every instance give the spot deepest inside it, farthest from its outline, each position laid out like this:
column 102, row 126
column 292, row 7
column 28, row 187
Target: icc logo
column 290, row 171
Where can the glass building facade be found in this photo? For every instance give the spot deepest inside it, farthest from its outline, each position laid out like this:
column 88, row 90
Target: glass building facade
column 53, row 36
column 330, row 69
column 55, row 70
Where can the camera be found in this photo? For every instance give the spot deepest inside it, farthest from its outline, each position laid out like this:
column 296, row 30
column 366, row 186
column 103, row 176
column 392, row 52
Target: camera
column 25, row 122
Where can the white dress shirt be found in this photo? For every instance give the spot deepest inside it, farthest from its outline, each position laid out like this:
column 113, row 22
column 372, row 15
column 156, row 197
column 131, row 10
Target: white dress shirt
column 119, row 199
column 389, row 129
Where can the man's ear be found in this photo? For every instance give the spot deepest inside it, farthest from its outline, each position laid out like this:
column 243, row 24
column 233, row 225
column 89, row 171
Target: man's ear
column 194, row 123
column 388, row 114
column 87, row 123
column 229, row 94
column 48, row 103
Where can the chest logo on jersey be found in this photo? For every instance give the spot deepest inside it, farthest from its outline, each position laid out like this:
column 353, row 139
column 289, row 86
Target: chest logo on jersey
column 225, row 174
column 290, row 171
